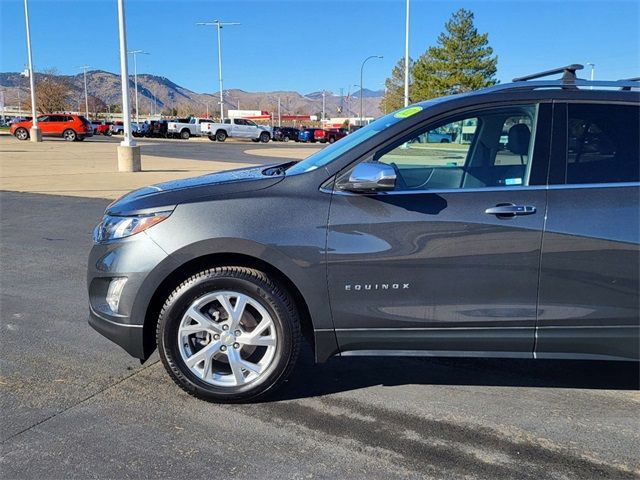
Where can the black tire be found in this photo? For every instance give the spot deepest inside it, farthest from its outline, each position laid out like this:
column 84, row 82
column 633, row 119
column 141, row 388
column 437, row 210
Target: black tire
column 69, row 135
column 444, row 140
column 255, row 140
column 265, row 137
column 259, row 287
column 21, row 133
column 108, row 133
column 211, row 137
column 221, row 135
column 332, row 139
column 80, row 139
column 185, row 134
column 285, row 139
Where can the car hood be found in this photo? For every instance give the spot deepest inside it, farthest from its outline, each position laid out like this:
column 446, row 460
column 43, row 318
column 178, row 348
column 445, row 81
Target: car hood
column 165, row 196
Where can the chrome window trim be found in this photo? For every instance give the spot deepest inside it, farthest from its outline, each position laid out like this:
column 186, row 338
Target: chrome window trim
column 594, row 185
column 489, row 189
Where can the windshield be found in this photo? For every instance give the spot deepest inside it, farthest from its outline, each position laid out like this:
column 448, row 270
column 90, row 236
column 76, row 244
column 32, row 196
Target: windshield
column 333, row 151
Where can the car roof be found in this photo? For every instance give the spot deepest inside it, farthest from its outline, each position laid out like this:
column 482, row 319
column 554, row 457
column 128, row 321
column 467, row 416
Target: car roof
column 564, row 89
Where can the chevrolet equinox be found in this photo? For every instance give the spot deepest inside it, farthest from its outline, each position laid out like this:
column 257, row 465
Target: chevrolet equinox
column 519, row 237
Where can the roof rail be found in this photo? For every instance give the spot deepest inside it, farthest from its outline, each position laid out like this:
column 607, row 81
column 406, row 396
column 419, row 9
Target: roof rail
column 568, row 74
column 628, row 87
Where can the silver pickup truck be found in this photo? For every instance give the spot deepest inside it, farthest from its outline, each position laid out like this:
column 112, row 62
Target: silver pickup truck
column 185, row 128
column 237, row 128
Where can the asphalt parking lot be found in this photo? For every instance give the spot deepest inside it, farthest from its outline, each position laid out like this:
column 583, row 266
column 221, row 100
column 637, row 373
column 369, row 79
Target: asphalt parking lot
column 74, row 405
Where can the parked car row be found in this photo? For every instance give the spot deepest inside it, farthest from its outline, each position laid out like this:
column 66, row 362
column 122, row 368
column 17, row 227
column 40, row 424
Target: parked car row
column 313, row 135
column 76, row 127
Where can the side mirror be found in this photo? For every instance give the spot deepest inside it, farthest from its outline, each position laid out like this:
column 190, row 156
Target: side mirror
column 370, row 177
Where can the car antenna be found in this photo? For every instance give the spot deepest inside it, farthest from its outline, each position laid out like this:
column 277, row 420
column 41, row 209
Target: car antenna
column 568, row 74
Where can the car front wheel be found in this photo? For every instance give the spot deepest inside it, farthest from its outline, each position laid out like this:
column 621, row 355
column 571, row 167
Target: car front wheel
column 229, row 334
column 265, row 137
column 21, row 133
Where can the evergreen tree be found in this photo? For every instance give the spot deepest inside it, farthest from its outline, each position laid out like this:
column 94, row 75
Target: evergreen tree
column 394, row 85
column 461, row 61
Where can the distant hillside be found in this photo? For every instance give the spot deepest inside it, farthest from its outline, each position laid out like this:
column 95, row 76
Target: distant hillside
column 105, row 86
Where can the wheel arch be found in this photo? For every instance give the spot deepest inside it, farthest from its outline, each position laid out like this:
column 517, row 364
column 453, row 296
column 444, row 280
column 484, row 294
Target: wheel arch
column 197, row 264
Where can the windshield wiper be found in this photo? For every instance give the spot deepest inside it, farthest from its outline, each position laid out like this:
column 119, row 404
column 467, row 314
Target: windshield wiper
column 278, row 169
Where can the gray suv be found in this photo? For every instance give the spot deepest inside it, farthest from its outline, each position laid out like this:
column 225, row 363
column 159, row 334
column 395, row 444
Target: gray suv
column 518, row 238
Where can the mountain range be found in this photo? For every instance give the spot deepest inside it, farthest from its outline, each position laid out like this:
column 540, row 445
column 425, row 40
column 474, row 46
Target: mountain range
column 160, row 94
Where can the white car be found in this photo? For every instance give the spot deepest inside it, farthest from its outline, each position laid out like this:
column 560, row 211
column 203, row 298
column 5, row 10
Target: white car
column 237, row 128
column 185, row 128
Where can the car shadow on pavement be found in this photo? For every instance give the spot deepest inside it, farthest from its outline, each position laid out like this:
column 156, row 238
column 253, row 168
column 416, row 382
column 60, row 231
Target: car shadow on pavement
column 345, row 374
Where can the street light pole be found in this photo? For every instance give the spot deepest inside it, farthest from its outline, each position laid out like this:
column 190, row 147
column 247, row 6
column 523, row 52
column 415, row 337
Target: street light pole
column 406, row 58
column 218, row 24
column 135, row 79
column 592, row 77
column 35, row 133
column 86, row 97
column 362, row 86
column 128, row 151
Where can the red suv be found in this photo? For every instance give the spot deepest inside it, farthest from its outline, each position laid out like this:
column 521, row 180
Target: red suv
column 68, row 126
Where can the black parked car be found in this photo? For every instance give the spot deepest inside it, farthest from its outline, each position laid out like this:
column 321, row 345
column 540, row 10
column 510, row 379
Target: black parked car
column 377, row 245
column 157, row 129
column 284, row 134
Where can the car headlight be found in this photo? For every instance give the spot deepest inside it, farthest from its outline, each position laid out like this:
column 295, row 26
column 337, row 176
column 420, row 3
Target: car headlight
column 113, row 227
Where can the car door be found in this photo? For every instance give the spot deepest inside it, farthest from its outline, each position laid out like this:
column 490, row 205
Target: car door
column 47, row 124
column 589, row 284
column 239, row 128
column 434, row 267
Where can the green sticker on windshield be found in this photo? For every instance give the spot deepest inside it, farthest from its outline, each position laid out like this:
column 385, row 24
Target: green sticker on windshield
column 407, row 112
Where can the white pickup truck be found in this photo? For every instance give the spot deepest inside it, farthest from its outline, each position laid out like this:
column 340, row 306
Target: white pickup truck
column 188, row 127
column 236, row 128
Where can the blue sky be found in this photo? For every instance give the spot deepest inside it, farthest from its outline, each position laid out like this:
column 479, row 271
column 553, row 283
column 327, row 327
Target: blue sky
column 313, row 45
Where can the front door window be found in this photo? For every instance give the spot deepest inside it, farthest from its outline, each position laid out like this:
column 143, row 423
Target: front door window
column 486, row 149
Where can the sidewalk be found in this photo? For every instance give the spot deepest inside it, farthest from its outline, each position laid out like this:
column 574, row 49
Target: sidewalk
column 89, row 169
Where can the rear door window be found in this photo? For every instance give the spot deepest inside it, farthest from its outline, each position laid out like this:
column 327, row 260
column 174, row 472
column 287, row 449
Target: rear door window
column 602, row 144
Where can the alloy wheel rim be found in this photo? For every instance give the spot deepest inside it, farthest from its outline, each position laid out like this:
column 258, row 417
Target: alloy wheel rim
column 227, row 339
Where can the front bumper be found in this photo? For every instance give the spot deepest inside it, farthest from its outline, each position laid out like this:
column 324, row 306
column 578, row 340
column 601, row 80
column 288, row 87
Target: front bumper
column 129, row 337
column 144, row 264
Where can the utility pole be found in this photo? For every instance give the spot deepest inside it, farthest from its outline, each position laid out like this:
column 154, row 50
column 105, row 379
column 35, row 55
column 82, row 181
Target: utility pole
column 323, row 108
column 35, row 133
column 362, row 86
column 592, row 77
column 86, row 97
column 218, row 24
column 128, row 151
column 135, row 54
column 279, row 114
column 406, row 58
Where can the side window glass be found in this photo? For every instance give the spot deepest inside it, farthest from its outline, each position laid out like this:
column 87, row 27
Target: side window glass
column 602, row 144
column 490, row 148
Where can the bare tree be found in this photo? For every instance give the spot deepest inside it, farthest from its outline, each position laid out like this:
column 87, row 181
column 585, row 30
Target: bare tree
column 52, row 92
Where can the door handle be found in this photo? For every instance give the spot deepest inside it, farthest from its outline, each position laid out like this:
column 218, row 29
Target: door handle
column 510, row 210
